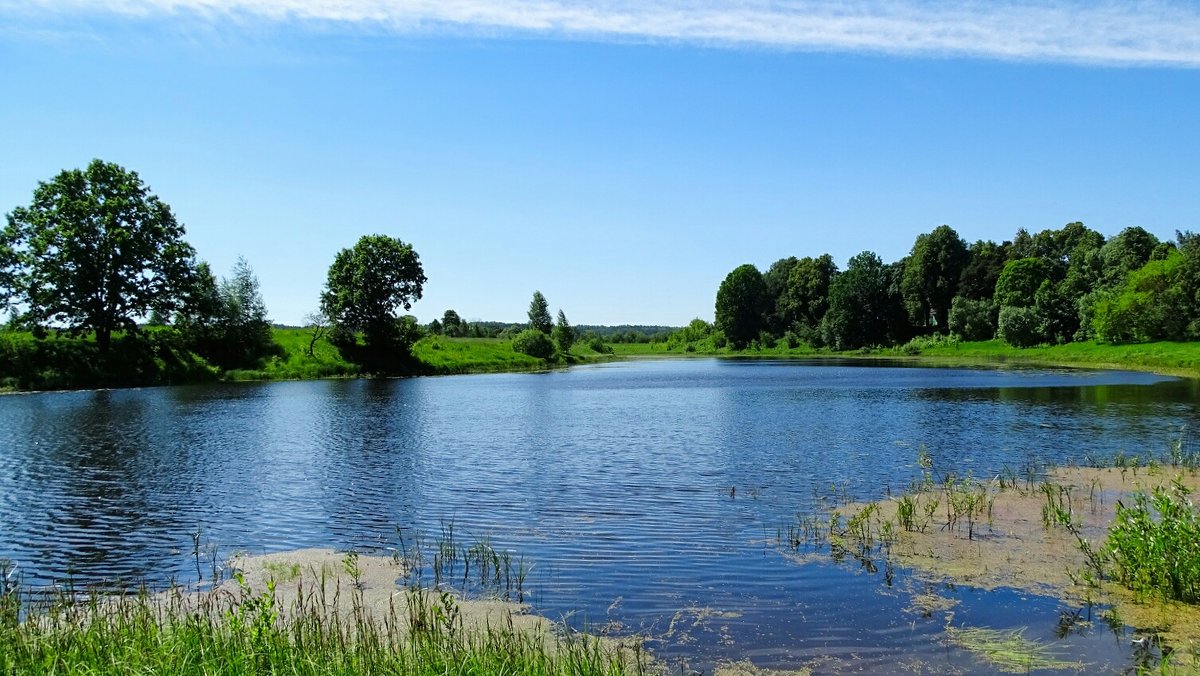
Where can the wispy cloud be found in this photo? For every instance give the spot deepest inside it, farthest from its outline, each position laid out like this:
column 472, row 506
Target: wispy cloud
column 1162, row 32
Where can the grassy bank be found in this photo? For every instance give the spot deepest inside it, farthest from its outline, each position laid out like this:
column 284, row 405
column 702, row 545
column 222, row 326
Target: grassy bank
column 310, row 612
column 1162, row 357
column 158, row 356
column 433, row 355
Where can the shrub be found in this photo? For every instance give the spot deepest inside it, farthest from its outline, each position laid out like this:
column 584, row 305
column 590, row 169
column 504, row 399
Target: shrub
column 1155, row 544
column 971, row 319
column 533, row 343
column 1020, row 326
column 598, row 345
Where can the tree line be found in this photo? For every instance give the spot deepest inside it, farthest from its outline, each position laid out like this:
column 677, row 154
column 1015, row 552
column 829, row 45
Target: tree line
column 96, row 253
column 1055, row 286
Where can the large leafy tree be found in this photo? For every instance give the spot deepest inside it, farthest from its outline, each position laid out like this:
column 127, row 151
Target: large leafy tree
column 776, row 281
column 741, row 305
column 367, row 285
column 931, row 276
column 864, row 307
column 806, row 298
column 95, row 251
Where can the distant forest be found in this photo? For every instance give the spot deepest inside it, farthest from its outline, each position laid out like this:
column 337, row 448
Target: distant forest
column 1055, row 286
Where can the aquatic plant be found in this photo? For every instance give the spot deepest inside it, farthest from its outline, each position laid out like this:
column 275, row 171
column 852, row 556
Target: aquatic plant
column 1154, row 544
column 1008, row 651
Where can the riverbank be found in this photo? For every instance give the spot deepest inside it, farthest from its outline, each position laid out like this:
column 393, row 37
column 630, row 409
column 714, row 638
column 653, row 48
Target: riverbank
column 159, row 357
column 1166, row 358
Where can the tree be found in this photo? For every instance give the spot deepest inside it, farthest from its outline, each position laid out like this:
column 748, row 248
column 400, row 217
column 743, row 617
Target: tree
column 806, row 298
column 94, row 251
column 452, row 324
column 863, row 308
column 741, row 304
column 1020, row 280
column 245, row 329
column 539, row 314
column 318, row 327
column 776, row 281
column 226, row 323
column 1126, row 252
column 366, row 286
column 931, row 276
column 564, row 334
column 986, row 260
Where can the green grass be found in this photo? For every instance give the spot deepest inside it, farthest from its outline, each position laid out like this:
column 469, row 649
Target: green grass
column 295, row 363
column 1163, row 357
column 442, row 355
column 217, row 635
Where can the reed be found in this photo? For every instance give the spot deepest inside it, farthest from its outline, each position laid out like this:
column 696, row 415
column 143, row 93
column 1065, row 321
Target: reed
column 421, row 633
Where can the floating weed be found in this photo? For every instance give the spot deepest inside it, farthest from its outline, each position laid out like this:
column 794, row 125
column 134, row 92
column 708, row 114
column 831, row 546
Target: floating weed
column 1009, row 651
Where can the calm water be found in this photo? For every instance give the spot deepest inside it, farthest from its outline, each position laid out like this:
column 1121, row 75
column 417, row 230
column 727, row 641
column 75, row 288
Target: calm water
column 613, row 481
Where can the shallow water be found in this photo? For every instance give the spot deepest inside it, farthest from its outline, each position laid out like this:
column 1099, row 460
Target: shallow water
column 646, row 495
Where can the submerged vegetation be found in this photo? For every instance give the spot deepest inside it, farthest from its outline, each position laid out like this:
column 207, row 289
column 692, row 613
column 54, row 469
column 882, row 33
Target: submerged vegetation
column 1125, row 537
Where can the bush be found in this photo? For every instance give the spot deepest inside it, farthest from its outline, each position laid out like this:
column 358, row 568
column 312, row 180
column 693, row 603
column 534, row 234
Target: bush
column 1020, row 326
column 598, row 345
column 533, row 343
column 1155, row 545
column 971, row 319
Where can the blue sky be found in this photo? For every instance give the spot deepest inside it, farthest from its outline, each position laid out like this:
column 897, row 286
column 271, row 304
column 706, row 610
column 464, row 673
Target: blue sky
column 620, row 157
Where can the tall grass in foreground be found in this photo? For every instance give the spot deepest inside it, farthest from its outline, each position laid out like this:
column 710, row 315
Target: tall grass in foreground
column 231, row 633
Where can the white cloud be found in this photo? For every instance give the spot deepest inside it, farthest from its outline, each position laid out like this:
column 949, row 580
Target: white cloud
column 1165, row 32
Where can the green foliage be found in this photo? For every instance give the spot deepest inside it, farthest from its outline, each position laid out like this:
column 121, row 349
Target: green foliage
column 1126, row 252
column 775, row 279
column 596, row 344
column 227, row 323
column 366, row 286
column 1020, row 326
column 985, row 261
column 931, row 276
column 1019, row 281
column 741, row 305
column 452, row 325
column 1154, row 545
column 1154, row 304
column 972, row 319
column 564, row 335
column 94, row 251
column 865, row 308
column 539, row 314
column 533, row 343
column 157, row 356
column 805, row 300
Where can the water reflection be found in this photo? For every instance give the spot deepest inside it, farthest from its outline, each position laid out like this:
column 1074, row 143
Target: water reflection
column 614, row 481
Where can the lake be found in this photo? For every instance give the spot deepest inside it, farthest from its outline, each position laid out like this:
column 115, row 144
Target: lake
column 643, row 496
